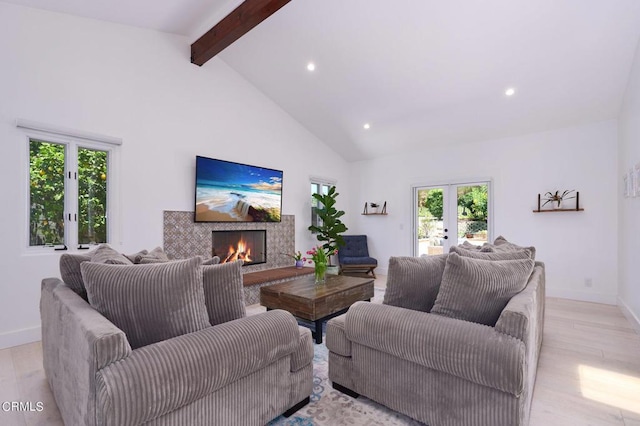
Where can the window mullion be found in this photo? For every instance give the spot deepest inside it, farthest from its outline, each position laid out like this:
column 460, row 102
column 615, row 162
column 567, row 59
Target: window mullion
column 71, row 196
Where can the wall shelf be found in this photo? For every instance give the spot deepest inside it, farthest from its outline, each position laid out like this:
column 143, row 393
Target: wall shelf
column 383, row 212
column 576, row 209
column 558, row 210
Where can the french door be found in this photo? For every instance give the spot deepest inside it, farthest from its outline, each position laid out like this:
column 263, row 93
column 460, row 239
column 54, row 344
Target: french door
column 446, row 215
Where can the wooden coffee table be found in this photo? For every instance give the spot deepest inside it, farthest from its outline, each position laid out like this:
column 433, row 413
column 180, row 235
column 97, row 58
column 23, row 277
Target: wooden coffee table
column 316, row 303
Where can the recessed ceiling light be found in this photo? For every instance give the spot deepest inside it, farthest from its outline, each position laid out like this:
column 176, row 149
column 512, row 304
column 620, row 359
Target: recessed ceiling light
column 311, row 66
column 367, row 126
column 510, row 91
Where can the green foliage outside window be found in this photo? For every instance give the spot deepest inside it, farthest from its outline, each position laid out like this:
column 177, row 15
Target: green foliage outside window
column 92, row 196
column 47, row 189
column 46, row 170
column 433, row 203
column 472, row 202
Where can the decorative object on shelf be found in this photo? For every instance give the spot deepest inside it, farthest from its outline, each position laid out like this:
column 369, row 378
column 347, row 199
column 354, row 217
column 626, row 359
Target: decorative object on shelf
column 332, row 227
column 375, row 207
column 556, row 199
column 319, row 256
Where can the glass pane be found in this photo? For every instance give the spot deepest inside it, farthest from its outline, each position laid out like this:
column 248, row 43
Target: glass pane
column 430, row 221
column 92, row 196
column 46, row 195
column 472, row 214
column 325, row 189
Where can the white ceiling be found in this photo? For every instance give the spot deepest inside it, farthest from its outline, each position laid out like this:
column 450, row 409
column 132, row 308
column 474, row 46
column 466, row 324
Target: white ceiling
column 422, row 72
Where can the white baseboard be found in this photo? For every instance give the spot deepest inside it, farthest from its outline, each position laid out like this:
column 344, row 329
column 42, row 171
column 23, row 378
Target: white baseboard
column 631, row 316
column 583, row 296
column 20, row 337
column 381, row 271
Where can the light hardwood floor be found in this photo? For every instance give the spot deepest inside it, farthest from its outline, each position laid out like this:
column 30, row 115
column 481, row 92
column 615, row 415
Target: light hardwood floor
column 588, row 374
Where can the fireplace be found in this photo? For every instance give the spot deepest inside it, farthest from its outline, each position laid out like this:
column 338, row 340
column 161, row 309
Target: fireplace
column 249, row 246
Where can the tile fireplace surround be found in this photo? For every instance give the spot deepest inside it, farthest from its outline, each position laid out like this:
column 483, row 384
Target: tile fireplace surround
column 184, row 238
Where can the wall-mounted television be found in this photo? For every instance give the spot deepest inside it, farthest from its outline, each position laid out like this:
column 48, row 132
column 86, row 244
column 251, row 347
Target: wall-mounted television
column 234, row 192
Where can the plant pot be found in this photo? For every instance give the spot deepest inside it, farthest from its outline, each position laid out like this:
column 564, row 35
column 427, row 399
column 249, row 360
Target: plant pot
column 333, row 270
column 299, row 263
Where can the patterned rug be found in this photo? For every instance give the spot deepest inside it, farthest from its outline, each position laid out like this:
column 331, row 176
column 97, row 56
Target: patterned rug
column 329, row 407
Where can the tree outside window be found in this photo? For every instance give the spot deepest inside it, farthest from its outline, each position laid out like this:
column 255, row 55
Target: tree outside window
column 68, row 185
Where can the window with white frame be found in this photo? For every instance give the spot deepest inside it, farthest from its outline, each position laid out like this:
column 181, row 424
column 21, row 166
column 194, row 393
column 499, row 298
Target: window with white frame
column 69, row 181
column 318, row 186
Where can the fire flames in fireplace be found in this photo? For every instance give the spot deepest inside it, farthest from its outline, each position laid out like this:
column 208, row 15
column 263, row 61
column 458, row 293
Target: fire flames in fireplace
column 241, row 252
column 246, row 245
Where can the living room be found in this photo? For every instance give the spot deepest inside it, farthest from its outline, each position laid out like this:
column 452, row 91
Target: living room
column 139, row 85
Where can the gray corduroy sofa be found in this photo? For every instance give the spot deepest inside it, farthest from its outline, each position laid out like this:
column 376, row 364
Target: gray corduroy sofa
column 440, row 370
column 241, row 372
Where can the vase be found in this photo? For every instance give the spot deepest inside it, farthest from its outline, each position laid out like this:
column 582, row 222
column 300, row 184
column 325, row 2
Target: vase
column 320, row 273
column 299, row 263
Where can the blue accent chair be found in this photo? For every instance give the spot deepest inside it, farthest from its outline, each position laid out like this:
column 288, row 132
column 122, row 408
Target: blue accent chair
column 354, row 255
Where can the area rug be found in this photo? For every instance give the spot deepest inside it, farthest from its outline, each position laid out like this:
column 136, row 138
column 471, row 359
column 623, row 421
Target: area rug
column 329, row 407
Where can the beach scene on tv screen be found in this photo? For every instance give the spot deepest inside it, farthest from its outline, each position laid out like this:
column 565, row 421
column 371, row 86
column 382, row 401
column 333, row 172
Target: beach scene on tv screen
column 232, row 192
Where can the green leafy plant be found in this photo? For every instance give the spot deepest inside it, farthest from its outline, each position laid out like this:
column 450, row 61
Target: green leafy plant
column 330, row 230
column 557, row 197
column 473, row 201
column 47, row 189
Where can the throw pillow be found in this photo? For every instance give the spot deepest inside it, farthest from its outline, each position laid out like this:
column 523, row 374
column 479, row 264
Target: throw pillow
column 495, row 255
column 70, row 272
column 224, row 292
column 413, row 282
column 105, row 254
column 133, row 257
column 155, row 254
column 467, row 245
column 501, row 244
column 477, row 290
column 213, row 261
column 150, row 303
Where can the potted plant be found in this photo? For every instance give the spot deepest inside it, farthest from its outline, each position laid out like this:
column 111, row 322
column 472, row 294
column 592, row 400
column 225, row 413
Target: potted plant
column 297, row 257
column 556, row 198
column 330, row 230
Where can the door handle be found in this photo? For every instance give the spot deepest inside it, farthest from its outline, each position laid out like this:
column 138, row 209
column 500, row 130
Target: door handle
column 446, row 237
column 446, row 230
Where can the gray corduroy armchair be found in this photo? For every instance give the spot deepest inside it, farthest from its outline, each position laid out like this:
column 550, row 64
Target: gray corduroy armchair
column 440, row 370
column 244, row 371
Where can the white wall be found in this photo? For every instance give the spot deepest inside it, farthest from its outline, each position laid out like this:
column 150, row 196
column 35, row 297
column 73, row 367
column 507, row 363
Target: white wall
column 574, row 246
column 629, row 208
column 138, row 85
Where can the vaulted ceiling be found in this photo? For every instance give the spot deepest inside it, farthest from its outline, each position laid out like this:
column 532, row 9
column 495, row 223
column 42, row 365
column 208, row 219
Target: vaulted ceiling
column 422, row 73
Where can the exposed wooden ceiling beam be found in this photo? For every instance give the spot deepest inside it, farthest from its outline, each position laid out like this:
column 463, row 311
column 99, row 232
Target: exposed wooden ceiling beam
column 236, row 24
